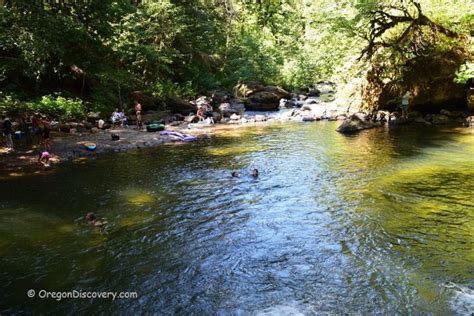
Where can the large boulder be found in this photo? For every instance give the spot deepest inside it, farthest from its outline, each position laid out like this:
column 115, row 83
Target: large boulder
column 325, row 87
column 260, row 98
column 355, row 123
column 147, row 101
column 244, row 90
column 220, row 96
column 440, row 119
column 234, row 107
column 180, row 106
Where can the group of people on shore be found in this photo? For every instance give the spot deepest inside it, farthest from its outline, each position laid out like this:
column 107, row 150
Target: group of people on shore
column 205, row 111
column 119, row 118
column 30, row 128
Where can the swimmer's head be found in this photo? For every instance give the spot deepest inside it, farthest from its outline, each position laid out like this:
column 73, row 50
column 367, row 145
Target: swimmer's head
column 90, row 217
column 255, row 173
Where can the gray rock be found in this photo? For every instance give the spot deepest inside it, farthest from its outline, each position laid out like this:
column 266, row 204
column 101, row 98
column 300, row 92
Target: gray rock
column 234, row 117
column 325, row 87
column 470, row 121
column 439, row 119
column 355, row 123
column 217, row 116
column 235, row 107
column 309, row 118
column 260, row 98
column 92, row 116
column 445, row 112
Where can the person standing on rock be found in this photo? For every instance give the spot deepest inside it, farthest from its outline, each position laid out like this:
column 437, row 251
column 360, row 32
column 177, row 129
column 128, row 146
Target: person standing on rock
column 405, row 104
column 138, row 113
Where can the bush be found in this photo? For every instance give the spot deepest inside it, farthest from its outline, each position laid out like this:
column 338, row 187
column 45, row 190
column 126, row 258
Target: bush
column 58, row 106
column 55, row 106
column 465, row 72
column 167, row 89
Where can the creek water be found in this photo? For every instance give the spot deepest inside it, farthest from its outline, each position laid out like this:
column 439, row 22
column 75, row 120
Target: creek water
column 381, row 222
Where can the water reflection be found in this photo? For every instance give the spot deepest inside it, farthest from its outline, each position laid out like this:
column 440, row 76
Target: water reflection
column 380, row 222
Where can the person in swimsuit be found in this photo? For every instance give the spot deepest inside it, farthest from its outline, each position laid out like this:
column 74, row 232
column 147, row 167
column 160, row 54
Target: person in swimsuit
column 200, row 114
column 45, row 135
column 44, row 158
column 138, row 113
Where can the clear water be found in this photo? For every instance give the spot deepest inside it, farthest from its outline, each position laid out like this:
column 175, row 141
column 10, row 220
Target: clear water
column 381, row 222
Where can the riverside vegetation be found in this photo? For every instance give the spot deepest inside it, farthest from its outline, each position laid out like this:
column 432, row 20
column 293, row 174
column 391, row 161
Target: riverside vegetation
column 68, row 58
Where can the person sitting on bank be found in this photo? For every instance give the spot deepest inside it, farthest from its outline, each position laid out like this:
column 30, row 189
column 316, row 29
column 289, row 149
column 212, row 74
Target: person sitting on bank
column 123, row 119
column 118, row 117
column 200, row 113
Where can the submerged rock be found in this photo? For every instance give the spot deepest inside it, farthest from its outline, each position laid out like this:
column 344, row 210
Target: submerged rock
column 439, row 119
column 355, row 123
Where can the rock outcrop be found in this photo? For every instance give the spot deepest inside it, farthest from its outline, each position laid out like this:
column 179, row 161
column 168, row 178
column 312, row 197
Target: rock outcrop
column 260, row 98
column 355, row 123
column 180, row 106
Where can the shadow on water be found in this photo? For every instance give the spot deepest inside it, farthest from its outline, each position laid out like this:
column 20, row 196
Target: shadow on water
column 379, row 222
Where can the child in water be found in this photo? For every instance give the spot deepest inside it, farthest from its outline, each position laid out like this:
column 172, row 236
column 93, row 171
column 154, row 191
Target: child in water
column 255, row 173
column 93, row 220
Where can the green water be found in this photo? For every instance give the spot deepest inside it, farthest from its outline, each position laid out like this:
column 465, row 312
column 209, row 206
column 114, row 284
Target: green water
column 376, row 223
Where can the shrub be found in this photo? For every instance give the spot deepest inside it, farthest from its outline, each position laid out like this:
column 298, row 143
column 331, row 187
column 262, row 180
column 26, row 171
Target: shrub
column 58, row 106
column 55, row 106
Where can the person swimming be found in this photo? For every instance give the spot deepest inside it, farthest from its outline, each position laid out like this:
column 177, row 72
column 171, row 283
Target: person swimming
column 235, row 174
column 255, row 173
column 93, row 220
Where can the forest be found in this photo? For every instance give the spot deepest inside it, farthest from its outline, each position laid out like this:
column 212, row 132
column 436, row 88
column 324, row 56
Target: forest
column 71, row 57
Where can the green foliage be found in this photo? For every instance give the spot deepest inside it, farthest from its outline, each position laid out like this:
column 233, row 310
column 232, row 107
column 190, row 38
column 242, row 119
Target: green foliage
column 58, row 106
column 102, row 50
column 466, row 72
column 168, row 89
column 52, row 105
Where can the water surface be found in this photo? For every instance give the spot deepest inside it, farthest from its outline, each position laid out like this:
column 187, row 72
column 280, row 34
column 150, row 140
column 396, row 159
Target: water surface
column 379, row 222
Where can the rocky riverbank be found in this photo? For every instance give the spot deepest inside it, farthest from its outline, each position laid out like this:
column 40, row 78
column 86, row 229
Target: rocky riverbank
column 314, row 104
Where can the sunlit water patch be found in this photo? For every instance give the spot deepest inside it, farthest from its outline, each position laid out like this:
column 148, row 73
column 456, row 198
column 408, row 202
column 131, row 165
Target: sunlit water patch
column 375, row 223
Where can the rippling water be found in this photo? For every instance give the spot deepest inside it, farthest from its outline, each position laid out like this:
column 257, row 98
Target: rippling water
column 381, row 222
